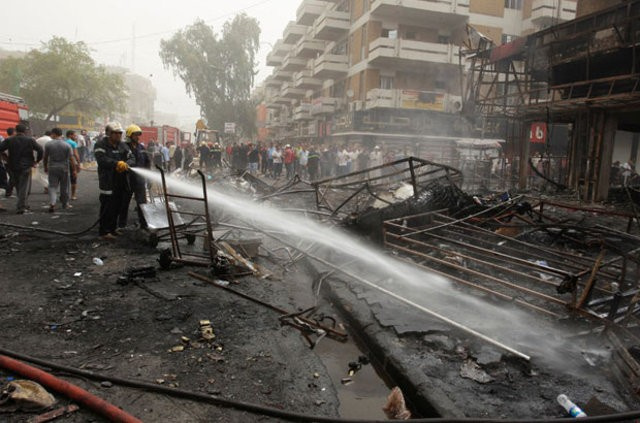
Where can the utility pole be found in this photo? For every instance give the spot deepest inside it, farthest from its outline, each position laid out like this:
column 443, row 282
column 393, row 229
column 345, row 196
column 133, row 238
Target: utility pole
column 133, row 48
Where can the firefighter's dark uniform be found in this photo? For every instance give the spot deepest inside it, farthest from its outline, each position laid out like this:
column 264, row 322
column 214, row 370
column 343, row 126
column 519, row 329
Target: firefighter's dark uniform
column 112, row 184
column 137, row 186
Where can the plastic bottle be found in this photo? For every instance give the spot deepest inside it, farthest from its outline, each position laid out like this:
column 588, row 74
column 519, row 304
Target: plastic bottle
column 97, row 261
column 570, row 406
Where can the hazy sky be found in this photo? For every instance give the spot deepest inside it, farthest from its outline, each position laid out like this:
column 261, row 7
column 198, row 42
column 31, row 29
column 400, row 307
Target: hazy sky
column 108, row 28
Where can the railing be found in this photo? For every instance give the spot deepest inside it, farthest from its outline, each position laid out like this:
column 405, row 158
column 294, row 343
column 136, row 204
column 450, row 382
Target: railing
column 330, row 22
column 419, row 51
column 334, row 63
column 441, row 6
column 548, row 9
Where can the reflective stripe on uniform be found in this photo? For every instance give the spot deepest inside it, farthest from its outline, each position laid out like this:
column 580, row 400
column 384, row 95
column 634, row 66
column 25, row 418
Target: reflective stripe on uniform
column 106, row 192
column 99, row 150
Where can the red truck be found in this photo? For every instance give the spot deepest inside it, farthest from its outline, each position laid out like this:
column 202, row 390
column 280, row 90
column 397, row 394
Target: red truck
column 13, row 111
column 162, row 134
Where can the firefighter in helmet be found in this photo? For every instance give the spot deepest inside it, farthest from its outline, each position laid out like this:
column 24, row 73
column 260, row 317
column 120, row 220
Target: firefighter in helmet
column 137, row 185
column 114, row 158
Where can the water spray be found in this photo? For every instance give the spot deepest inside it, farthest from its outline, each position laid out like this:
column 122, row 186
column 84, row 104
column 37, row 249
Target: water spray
column 420, row 289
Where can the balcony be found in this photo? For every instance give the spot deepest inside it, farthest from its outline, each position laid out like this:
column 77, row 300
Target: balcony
column 271, row 82
column 324, row 105
column 293, row 32
column 292, row 63
column 305, row 80
column 309, row 48
column 545, row 13
column 273, row 60
column 302, row 112
column 331, row 66
column 332, row 25
column 282, row 75
column 397, row 52
column 280, row 49
column 309, row 11
column 424, row 12
column 282, row 101
column 413, row 99
column 290, row 92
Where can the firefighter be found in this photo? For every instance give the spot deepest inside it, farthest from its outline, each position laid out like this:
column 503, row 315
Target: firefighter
column 136, row 184
column 114, row 158
column 216, row 155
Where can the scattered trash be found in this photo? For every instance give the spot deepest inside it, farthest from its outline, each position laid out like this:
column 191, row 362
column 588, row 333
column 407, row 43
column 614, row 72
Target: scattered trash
column 97, row 261
column 355, row 366
column 54, row 414
column 177, row 348
column 34, row 223
column 221, row 282
column 471, row 370
column 570, row 406
column 206, row 330
column 316, row 375
column 132, row 274
column 106, row 384
column 346, row 381
column 27, row 395
column 395, row 408
column 77, row 274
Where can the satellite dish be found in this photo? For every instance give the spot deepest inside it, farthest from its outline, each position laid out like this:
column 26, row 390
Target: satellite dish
column 350, row 93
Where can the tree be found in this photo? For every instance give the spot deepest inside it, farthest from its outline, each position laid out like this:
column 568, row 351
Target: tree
column 62, row 76
column 218, row 70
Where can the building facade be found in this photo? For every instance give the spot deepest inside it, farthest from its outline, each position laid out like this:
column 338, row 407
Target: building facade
column 375, row 70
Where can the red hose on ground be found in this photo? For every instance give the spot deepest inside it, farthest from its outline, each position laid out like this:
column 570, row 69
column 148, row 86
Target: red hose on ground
column 74, row 392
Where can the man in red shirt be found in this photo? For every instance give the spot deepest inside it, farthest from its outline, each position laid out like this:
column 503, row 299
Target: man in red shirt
column 289, row 157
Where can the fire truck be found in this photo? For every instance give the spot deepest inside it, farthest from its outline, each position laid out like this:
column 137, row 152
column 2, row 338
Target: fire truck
column 13, row 111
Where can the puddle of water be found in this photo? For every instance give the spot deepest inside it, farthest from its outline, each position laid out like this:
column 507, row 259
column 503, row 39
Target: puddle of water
column 365, row 397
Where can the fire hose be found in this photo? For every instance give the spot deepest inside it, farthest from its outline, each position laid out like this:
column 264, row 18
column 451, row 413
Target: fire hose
column 270, row 411
column 70, row 390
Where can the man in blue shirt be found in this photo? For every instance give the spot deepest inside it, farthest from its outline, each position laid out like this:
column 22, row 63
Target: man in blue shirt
column 74, row 167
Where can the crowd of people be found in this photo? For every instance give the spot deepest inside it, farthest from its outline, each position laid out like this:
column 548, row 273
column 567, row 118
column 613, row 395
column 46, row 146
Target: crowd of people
column 306, row 160
column 21, row 153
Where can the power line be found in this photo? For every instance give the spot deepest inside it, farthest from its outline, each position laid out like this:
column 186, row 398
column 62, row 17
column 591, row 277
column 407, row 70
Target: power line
column 149, row 35
column 153, row 34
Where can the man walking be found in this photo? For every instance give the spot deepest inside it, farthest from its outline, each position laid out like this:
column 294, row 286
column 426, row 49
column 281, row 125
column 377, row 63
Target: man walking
column 114, row 158
column 21, row 148
column 74, row 168
column 57, row 160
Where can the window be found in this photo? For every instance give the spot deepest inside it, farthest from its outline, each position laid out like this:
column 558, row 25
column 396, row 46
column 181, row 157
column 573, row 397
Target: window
column 513, row 4
column 440, row 85
column 410, row 35
column 393, row 34
column 507, row 38
column 386, row 82
column 444, row 39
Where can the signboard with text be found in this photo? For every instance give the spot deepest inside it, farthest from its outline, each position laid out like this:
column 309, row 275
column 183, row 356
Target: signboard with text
column 229, row 127
column 538, row 133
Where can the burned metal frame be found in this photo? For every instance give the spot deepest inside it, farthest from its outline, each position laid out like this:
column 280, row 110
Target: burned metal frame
column 482, row 260
column 338, row 193
column 583, row 72
column 178, row 232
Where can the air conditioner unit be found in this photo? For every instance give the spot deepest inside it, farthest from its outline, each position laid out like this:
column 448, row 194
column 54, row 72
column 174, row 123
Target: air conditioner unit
column 453, row 104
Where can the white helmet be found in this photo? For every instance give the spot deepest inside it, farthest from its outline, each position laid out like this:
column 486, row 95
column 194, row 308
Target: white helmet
column 114, row 126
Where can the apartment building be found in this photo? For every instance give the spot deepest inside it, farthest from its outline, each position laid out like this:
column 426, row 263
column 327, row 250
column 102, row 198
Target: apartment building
column 377, row 71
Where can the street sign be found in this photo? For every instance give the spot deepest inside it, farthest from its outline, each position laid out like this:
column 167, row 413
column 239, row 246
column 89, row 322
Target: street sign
column 229, row 127
column 538, row 133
